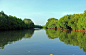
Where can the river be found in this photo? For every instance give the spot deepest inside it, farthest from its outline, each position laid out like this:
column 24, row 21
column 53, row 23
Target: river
column 42, row 42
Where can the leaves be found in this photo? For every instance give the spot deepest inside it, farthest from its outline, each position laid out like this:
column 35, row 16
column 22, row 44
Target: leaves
column 75, row 21
column 52, row 23
column 12, row 22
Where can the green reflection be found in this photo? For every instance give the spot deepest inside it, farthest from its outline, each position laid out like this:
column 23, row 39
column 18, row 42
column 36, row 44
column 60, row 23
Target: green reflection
column 52, row 34
column 8, row 37
column 68, row 37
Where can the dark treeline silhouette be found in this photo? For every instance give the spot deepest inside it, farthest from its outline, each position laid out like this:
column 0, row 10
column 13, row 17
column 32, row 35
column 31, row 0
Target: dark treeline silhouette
column 12, row 22
column 68, row 37
column 75, row 21
column 38, row 26
column 8, row 37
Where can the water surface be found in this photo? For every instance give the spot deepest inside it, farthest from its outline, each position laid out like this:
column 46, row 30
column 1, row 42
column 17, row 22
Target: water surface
column 42, row 42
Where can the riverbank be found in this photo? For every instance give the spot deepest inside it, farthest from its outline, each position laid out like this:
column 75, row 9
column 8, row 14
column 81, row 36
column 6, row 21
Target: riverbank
column 78, row 30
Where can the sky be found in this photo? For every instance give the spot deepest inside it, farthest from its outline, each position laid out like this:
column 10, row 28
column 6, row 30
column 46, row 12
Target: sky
column 39, row 11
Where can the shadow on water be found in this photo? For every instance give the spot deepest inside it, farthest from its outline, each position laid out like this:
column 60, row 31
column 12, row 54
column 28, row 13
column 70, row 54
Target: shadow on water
column 68, row 37
column 8, row 37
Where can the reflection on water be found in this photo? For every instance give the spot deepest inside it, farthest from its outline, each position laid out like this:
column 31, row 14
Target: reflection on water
column 39, row 44
column 69, row 37
column 8, row 37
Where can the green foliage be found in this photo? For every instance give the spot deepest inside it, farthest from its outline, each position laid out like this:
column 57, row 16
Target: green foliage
column 63, row 22
column 29, row 23
column 75, row 21
column 11, row 22
column 38, row 26
column 52, row 23
column 82, row 21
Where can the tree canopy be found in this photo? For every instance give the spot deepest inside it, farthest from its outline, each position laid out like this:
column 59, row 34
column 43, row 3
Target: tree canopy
column 52, row 23
column 9, row 22
column 75, row 21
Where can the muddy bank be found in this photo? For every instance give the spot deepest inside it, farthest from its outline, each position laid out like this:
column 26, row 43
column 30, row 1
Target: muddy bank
column 79, row 30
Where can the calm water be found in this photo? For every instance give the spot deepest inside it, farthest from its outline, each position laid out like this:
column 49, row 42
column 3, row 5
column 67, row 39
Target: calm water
column 42, row 42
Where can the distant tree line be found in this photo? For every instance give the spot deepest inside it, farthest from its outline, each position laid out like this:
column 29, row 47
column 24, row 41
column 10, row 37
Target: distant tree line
column 75, row 21
column 9, row 22
column 38, row 26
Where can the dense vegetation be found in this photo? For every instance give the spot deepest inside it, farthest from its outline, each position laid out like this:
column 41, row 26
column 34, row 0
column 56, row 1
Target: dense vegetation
column 38, row 26
column 75, row 21
column 68, row 37
column 52, row 23
column 28, row 23
column 11, row 22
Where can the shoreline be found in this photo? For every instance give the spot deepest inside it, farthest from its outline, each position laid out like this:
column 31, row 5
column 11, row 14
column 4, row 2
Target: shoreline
column 78, row 30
